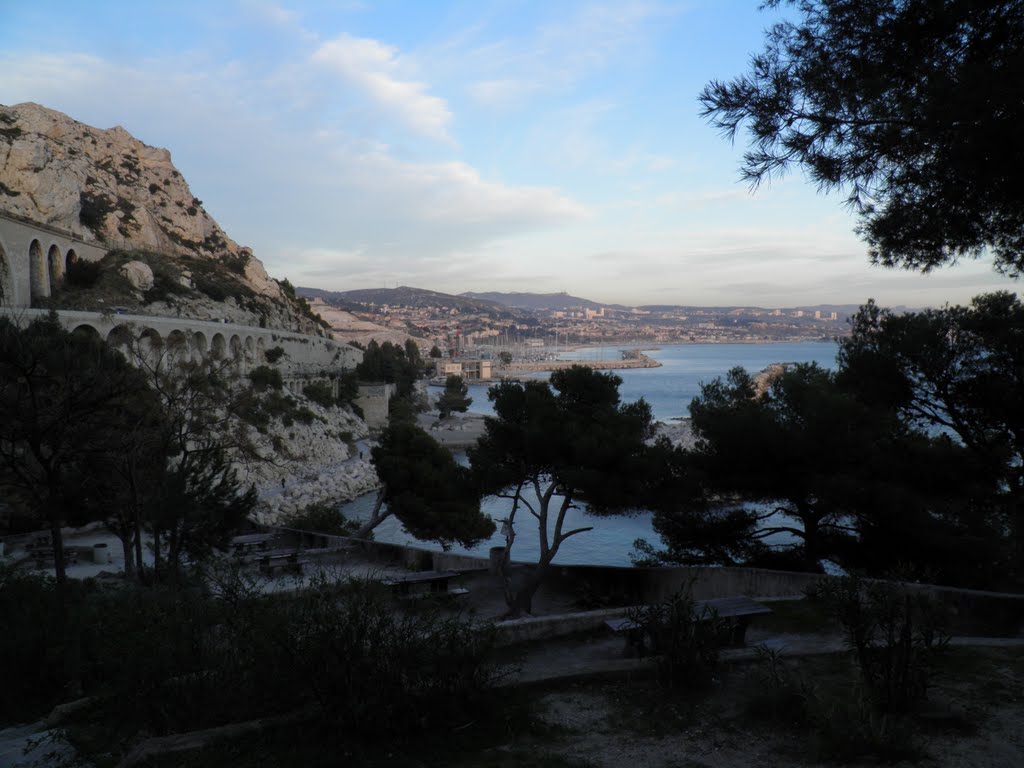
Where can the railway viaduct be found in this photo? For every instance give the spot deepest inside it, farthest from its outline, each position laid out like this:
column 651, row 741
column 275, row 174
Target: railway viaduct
column 34, row 259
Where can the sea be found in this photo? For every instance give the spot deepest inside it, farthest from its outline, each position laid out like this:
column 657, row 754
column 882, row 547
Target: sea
column 669, row 390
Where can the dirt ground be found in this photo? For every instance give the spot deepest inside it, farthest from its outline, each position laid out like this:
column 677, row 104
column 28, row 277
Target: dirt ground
column 974, row 718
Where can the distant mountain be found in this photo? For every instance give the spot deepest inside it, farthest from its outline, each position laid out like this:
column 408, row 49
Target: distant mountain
column 405, row 296
column 535, row 301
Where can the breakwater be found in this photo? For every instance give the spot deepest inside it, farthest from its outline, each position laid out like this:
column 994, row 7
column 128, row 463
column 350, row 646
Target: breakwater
column 638, row 361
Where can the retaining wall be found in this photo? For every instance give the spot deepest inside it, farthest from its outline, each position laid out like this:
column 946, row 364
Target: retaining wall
column 972, row 612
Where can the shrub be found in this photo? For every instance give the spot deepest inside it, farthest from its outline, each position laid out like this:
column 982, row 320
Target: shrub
column 83, row 274
column 212, row 288
column 264, row 377
column 320, row 392
column 29, row 646
column 686, row 641
column 93, row 210
column 894, row 635
column 304, row 416
column 321, row 518
column 337, row 649
column 273, row 354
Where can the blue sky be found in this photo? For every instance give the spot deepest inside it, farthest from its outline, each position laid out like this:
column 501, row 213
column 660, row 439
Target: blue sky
column 460, row 146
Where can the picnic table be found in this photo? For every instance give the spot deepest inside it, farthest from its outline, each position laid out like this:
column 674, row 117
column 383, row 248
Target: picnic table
column 251, row 541
column 285, row 561
column 435, row 581
column 737, row 610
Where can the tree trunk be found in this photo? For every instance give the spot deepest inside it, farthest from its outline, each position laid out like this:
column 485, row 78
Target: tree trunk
column 521, row 602
column 375, row 519
column 128, row 548
column 67, row 626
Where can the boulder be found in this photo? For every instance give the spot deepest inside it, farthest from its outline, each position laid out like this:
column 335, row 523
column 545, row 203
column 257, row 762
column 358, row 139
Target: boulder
column 138, row 274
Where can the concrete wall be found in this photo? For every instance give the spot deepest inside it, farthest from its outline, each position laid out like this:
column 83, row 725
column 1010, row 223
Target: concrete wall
column 373, row 400
column 972, row 612
column 34, row 259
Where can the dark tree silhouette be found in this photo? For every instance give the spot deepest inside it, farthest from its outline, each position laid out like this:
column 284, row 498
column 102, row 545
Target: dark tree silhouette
column 424, row 487
column 913, row 107
column 455, row 398
column 958, row 370
column 553, row 445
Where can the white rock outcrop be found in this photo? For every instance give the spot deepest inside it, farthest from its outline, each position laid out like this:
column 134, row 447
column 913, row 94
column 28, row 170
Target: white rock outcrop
column 107, row 187
column 138, row 274
column 318, row 462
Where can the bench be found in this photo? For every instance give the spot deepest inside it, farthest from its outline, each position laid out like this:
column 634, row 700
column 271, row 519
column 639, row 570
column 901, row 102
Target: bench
column 251, row 541
column 435, row 581
column 738, row 611
column 286, row 562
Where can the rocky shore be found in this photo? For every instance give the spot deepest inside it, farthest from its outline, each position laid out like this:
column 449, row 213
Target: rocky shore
column 325, row 461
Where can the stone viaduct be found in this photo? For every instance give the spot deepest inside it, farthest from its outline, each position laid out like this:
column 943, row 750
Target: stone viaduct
column 34, row 259
column 303, row 359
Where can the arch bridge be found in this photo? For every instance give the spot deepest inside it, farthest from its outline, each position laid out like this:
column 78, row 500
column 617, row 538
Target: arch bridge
column 34, row 258
column 303, row 359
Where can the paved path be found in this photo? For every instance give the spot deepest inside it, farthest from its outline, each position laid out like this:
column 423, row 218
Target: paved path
column 575, row 658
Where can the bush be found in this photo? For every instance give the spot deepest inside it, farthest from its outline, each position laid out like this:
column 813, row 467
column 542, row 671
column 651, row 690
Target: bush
column 212, row 288
column 82, row 274
column 894, row 635
column 321, row 518
column 30, row 659
column 264, row 377
column 303, row 415
column 686, row 641
column 373, row 674
column 273, row 354
column 321, row 393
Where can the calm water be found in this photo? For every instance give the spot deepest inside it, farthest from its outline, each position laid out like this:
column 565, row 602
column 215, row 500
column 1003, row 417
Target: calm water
column 669, row 389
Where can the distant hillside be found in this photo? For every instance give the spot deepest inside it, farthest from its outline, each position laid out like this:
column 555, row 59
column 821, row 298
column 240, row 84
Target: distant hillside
column 406, row 296
column 535, row 301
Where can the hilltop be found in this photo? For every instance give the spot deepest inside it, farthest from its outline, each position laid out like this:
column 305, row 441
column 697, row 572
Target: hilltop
column 406, row 296
column 535, row 301
column 109, row 188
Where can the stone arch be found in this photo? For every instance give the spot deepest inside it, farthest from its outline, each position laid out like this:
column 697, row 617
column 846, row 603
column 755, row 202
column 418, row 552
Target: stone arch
column 71, row 257
column 250, row 351
column 218, row 346
column 56, row 266
column 177, row 347
column 151, row 347
column 120, row 338
column 199, row 346
column 237, row 358
column 7, row 297
column 88, row 330
column 39, row 280
column 261, row 349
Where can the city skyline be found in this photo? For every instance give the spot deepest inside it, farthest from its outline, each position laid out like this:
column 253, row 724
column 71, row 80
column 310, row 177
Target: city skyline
column 464, row 146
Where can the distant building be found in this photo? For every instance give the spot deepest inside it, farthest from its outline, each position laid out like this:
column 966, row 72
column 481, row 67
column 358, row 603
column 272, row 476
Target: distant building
column 470, row 370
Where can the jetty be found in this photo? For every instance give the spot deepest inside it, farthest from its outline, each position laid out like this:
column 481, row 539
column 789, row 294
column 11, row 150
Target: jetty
column 638, row 360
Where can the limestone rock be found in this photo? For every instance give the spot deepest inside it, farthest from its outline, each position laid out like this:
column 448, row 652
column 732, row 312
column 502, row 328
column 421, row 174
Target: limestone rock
column 138, row 274
column 108, row 187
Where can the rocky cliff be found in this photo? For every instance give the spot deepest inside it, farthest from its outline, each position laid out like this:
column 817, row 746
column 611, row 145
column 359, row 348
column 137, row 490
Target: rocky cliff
column 106, row 186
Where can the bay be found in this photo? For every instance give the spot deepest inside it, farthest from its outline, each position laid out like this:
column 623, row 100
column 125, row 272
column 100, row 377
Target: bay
column 669, row 390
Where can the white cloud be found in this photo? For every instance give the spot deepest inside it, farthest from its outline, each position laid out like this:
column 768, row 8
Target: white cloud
column 373, row 67
column 503, row 94
column 558, row 53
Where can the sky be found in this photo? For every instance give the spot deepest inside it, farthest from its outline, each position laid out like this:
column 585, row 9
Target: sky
column 485, row 145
